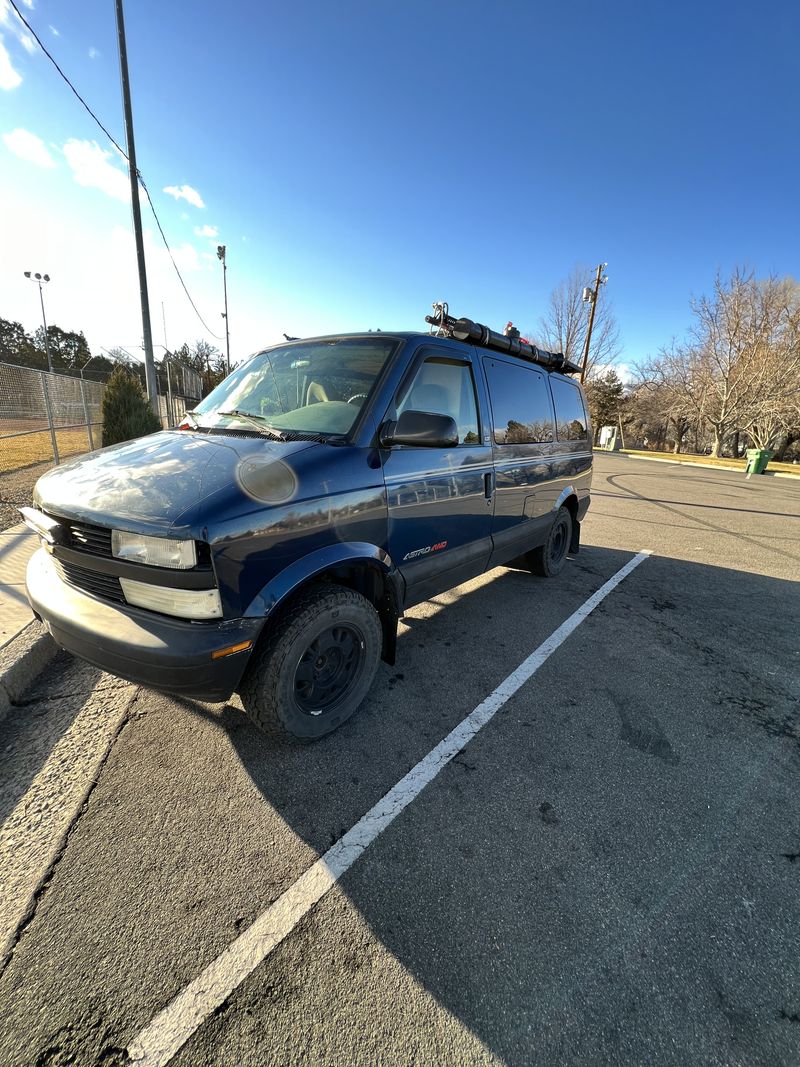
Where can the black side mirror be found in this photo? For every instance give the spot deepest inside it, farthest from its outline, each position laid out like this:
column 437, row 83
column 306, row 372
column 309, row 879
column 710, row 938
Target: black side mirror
column 422, row 429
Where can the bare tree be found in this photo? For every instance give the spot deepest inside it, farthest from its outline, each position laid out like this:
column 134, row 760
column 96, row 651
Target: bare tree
column 673, row 384
column 740, row 370
column 563, row 326
column 746, row 353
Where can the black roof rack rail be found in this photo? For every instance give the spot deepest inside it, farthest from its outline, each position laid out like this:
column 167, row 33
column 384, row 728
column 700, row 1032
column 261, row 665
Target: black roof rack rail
column 478, row 334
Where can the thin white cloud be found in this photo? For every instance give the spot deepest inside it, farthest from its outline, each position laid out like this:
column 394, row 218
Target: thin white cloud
column 91, row 168
column 28, row 4
column 206, row 231
column 28, row 146
column 187, row 257
column 93, row 53
column 9, row 78
column 54, row 31
column 185, row 192
column 27, row 43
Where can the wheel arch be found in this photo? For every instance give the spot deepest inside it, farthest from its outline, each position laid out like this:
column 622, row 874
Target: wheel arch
column 568, row 498
column 364, row 568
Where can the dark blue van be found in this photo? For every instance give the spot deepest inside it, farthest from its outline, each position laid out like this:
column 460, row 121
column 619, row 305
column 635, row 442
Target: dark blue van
column 271, row 543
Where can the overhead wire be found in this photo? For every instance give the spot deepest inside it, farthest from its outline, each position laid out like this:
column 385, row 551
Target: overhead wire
column 124, row 155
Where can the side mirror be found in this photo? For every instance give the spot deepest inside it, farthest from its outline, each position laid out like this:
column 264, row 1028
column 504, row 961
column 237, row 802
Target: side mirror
column 421, row 429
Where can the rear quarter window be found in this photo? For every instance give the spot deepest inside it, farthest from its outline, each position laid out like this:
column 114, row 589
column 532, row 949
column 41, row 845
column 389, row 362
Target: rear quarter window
column 571, row 419
column 521, row 408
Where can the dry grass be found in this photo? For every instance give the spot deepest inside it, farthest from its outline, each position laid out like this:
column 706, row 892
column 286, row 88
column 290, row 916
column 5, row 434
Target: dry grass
column 731, row 464
column 24, row 451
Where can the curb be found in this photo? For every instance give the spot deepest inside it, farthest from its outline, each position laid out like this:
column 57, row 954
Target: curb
column 22, row 660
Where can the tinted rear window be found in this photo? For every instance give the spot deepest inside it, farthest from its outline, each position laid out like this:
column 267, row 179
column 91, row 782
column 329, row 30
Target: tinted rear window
column 570, row 414
column 520, row 402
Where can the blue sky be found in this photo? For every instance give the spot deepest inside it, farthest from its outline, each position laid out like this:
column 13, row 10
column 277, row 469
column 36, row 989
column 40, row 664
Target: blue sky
column 361, row 160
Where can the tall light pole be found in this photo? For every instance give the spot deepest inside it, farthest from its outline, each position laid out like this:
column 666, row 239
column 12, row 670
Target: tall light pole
column 590, row 297
column 133, row 173
column 221, row 255
column 39, row 278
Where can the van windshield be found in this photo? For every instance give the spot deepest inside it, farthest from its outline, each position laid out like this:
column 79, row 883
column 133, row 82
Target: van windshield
column 316, row 387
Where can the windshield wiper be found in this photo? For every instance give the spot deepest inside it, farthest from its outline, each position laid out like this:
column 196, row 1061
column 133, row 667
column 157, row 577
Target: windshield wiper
column 259, row 421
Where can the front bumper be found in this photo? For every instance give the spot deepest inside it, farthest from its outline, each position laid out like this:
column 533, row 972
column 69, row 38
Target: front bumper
column 140, row 646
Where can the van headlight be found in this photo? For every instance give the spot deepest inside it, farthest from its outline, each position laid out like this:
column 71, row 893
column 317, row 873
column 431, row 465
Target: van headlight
column 155, row 551
column 184, row 603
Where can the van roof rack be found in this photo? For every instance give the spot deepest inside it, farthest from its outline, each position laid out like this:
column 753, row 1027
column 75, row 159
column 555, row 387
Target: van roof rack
column 510, row 342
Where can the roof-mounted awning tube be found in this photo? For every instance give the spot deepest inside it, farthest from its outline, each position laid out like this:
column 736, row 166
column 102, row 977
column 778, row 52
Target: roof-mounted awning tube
column 478, row 334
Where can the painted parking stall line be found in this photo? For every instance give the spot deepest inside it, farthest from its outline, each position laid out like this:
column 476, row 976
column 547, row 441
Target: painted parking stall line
column 162, row 1038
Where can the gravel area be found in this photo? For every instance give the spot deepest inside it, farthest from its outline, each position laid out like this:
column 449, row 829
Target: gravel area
column 16, row 489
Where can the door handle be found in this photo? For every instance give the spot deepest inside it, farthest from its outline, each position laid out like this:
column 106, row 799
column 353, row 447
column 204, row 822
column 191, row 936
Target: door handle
column 488, row 484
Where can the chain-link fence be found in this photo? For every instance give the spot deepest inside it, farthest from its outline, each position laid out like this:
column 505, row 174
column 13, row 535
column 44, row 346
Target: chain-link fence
column 46, row 417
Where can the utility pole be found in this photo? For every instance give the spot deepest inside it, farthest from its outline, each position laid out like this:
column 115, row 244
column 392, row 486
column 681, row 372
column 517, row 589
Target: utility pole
column 147, row 333
column 590, row 296
column 221, row 255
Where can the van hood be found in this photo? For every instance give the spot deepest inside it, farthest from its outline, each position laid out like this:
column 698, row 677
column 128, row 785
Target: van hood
column 149, row 483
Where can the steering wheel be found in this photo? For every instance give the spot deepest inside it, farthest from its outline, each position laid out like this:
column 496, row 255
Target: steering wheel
column 316, row 393
column 360, row 397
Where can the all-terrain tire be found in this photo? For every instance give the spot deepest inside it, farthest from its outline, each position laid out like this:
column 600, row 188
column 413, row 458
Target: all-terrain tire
column 315, row 665
column 548, row 559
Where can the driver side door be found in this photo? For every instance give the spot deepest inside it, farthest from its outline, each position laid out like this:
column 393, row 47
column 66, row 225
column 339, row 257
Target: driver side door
column 440, row 500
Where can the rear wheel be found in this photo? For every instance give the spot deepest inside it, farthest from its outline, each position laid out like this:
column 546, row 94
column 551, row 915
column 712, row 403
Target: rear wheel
column 314, row 671
column 548, row 559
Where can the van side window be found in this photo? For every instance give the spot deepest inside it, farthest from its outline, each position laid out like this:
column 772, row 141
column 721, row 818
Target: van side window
column 520, row 402
column 570, row 414
column 445, row 388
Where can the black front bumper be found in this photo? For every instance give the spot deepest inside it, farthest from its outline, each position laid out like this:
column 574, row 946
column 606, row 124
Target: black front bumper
column 140, row 646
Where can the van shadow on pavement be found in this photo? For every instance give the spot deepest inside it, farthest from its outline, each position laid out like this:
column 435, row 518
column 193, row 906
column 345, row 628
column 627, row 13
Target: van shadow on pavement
column 572, row 886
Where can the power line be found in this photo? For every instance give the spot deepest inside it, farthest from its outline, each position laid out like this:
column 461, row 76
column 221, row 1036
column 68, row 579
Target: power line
column 38, row 40
column 174, row 264
column 124, row 155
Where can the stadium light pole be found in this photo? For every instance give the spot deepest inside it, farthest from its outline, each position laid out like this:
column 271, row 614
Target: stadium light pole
column 133, row 174
column 39, row 278
column 221, row 255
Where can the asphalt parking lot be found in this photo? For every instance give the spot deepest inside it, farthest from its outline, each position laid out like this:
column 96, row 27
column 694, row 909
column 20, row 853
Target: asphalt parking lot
column 609, row 871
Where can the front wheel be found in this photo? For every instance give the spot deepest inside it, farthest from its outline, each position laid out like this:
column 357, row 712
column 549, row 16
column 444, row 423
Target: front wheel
column 548, row 559
column 316, row 669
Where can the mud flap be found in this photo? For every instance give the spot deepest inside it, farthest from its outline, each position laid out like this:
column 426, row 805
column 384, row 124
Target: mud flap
column 575, row 540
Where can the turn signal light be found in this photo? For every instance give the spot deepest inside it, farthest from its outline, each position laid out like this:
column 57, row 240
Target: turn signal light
column 229, row 651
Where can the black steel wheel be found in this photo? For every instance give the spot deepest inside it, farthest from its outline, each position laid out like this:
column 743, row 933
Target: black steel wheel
column 328, row 668
column 548, row 559
column 315, row 666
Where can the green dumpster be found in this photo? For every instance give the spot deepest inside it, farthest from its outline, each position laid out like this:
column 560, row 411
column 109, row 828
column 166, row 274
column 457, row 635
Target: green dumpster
column 757, row 460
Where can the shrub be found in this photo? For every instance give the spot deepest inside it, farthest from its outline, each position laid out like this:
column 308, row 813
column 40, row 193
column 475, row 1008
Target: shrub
column 126, row 410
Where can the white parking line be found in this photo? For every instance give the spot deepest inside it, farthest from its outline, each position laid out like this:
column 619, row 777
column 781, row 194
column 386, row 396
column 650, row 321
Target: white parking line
column 172, row 1027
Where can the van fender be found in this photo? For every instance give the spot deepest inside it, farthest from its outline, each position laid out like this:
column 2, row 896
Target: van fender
column 283, row 585
column 563, row 496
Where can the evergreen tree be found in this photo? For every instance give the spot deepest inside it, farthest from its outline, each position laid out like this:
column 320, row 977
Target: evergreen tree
column 126, row 411
column 606, row 399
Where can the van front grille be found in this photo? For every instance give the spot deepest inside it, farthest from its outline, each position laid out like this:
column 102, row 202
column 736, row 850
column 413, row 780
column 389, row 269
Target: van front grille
column 105, row 586
column 83, row 537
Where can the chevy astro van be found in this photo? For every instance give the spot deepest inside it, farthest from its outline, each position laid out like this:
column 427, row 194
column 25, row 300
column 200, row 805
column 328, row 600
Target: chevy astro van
column 270, row 544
